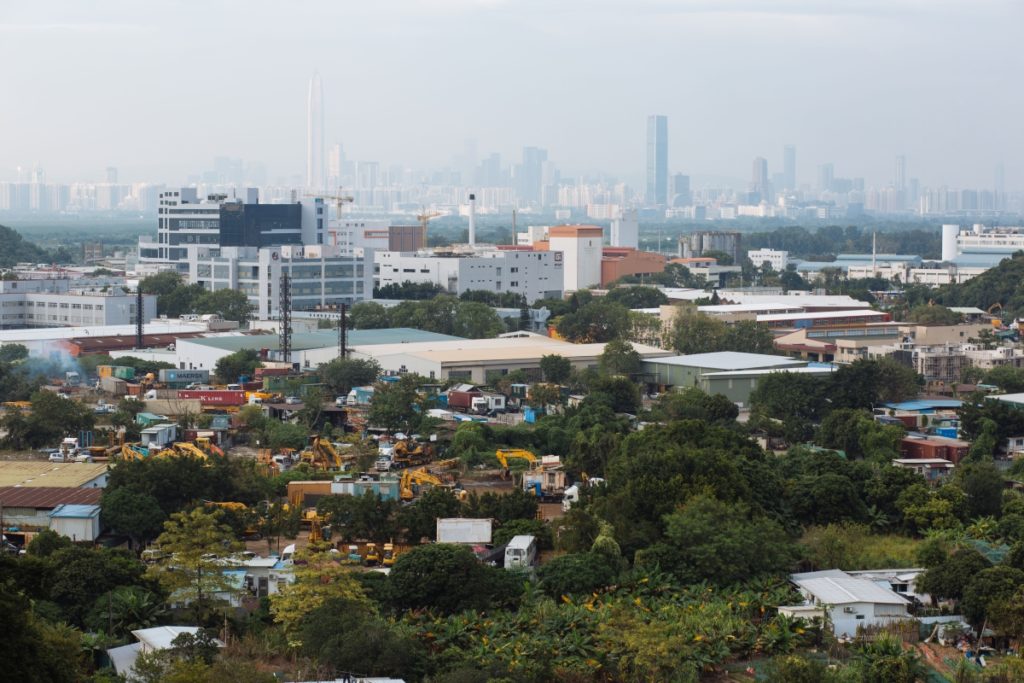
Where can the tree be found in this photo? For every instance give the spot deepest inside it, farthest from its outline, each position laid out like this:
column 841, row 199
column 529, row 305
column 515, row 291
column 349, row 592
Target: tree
column 933, row 315
column 988, row 590
column 241, row 363
column 619, row 358
column 710, row 540
column 133, row 513
column 229, row 304
column 983, row 484
column 195, row 542
column 691, row 403
column 448, row 579
column 32, row 650
column 1008, row 378
column 576, row 573
column 397, row 405
column 343, row 636
column 319, row 579
column 342, row 374
column 748, row 336
column 594, row 322
column 477, row 321
column 46, row 543
column 368, row 315
column 10, row 353
column 555, row 368
column 80, row 574
column 125, row 609
column 950, row 578
column 637, row 297
column 617, row 392
column 694, row 332
column 51, row 418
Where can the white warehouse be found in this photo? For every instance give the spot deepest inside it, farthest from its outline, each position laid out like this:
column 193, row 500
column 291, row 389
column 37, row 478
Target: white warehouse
column 533, row 274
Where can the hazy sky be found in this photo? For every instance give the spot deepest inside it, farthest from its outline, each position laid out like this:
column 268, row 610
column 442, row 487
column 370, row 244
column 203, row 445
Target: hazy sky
column 159, row 87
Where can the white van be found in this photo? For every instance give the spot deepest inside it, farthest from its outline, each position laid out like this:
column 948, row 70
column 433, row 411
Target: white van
column 521, row 552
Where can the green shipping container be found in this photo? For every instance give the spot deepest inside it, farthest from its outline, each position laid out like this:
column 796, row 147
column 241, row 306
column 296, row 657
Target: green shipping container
column 124, row 372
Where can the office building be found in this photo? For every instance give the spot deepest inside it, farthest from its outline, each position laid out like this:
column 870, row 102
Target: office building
column 789, row 167
column 531, row 273
column 657, row 160
column 778, row 260
column 681, row 194
column 760, row 185
column 826, row 176
column 625, row 230
column 900, row 180
column 52, row 303
column 530, row 176
column 322, row 276
column 315, row 134
column 185, row 222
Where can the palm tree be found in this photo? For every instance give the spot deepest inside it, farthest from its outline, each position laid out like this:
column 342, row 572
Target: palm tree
column 126, row 609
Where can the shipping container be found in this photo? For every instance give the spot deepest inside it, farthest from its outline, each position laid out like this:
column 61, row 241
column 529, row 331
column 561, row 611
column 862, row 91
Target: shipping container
column 123, row 372
column 461, row 400
column 271, row 372
column 113, row 385
column 462, row 530
column 172, row 376
column 104, row 371
column 214, row 397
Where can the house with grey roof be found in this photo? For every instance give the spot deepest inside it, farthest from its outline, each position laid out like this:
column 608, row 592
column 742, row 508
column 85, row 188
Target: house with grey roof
column 846, row 601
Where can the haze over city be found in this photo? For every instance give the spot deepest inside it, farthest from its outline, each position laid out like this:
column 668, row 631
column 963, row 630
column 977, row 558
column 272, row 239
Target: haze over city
column 158, row 89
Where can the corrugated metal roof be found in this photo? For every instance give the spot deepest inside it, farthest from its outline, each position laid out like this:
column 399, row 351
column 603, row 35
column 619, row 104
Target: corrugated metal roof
column 842, row 590
column 48, row 474
column 46, row 497
column 318, row 340
column 729, row 360
column 66, row 511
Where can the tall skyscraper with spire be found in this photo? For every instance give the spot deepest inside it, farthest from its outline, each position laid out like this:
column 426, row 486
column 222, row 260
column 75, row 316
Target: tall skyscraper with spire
column 315, row 166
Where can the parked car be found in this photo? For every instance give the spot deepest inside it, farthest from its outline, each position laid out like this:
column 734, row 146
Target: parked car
column 292, row 400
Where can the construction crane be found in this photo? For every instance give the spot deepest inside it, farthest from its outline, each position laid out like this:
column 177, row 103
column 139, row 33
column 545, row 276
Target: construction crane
column 340, row 199
column 424, row 219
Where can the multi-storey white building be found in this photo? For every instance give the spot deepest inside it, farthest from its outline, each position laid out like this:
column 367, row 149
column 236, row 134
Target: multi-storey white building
column 776, row 258
column 322, row 276
column 532, row 274
column 581, row 248
column 50, row 303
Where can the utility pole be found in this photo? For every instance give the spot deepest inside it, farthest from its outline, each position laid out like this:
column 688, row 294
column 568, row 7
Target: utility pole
column 285, row 308
column 138, row 316
column 343, row 332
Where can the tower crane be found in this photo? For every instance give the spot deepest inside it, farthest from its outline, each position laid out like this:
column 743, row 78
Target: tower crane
column 424, row 218
column 340, row 199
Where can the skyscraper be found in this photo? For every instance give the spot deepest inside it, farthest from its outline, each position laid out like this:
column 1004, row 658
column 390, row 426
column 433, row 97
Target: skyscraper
column 901, row 173
column 789, row 167
column 826, row 174
column 315, row 134
column 529, row 178
column 759, row 182
column 657, row 160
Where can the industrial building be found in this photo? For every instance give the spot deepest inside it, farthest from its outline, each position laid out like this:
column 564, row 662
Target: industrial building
column 619, row 262
column 704, row 241
column 55, row 303
column 43, row 474
column 704, row 370
column 524, row 272
column 483, row 361
column 322, row 277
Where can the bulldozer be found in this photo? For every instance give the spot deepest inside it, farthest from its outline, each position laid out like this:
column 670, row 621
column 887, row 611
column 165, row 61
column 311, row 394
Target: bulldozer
column 411, row 454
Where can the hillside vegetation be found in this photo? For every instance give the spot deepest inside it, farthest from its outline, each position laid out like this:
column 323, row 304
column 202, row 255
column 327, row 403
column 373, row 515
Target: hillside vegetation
column 14, row 249
column 1003, row 284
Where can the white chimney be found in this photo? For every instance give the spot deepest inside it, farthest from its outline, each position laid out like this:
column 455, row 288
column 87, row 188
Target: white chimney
column 472, row 219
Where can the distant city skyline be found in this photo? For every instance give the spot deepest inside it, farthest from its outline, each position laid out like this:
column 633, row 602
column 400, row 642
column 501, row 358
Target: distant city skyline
column 420, row 77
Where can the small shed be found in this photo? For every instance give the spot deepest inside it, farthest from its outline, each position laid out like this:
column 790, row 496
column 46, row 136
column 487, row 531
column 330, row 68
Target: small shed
column 77, row 522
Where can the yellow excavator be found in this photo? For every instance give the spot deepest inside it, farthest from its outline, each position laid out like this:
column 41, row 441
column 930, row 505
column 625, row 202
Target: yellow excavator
column 205, row 444
column 505, row 454
column 321, row 454
column 186, row 448
column 411, row 477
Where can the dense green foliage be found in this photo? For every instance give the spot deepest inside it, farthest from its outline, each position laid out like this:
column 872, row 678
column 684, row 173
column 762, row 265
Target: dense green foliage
column 176, row 298
column 443, row 314
column 16, row 249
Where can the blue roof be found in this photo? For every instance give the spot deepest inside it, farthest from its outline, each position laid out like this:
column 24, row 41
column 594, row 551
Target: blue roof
column 925, row 404
column 878, row 258
column 69, row 511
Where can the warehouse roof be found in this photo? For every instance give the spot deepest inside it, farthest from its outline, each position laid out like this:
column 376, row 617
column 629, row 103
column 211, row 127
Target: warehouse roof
column 497, row 350
column 47, row 497
column 319, row 340
column 729, row 360
column 49, row 333
column 810, row 370
column 947, row 403
column 814, row 315
column 67, row 511
column 839, row 588
column 40, row 473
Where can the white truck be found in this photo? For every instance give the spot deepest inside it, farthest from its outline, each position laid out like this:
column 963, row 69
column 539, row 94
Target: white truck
column 521, row 552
